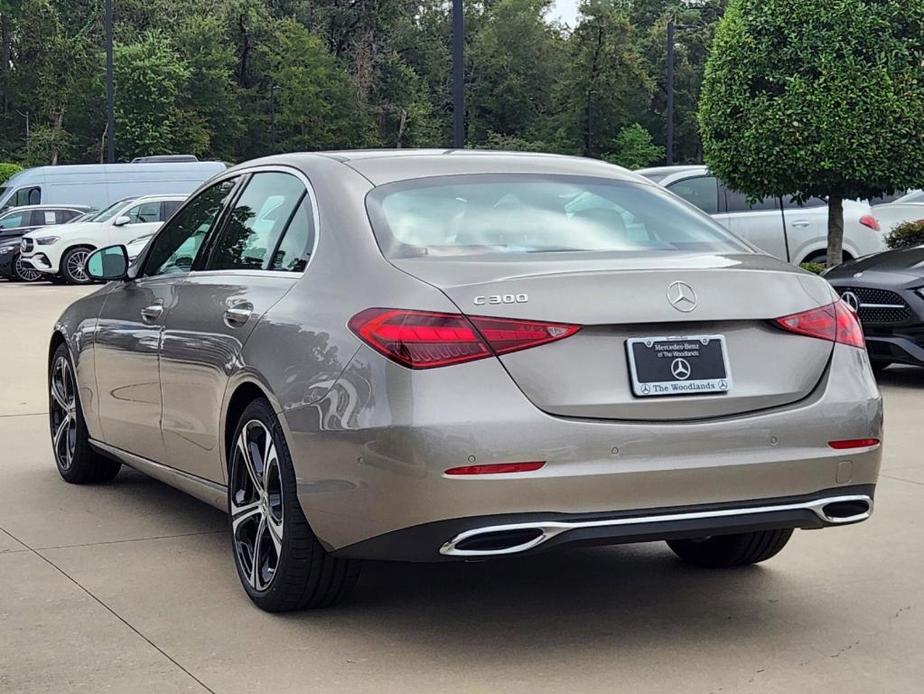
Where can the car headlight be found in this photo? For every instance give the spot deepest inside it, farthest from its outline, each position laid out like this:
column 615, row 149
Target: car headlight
column 919, row 291
column 47, row 240
column 7, row 249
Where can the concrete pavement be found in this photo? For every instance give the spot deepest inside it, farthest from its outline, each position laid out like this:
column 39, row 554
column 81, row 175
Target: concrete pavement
column 130, row 587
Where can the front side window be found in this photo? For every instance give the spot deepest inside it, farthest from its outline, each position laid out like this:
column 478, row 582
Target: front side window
column 256, row 223
column 27, row 196
column 486, row 214
column 145, row 213
column 13, row 220
column 109, row 212
column 701, row 191
column 175, row 248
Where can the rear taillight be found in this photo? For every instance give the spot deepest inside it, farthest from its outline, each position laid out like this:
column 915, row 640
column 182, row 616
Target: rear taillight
column 835, row 322
column 426, row 339
column 870, row 221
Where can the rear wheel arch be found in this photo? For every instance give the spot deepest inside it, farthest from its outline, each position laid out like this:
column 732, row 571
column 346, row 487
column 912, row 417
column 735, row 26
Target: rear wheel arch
column 244, row 394
column 57, row 338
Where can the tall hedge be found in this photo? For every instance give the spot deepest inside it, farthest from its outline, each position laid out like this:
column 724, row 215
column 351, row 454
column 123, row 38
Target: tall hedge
column 8, row 170
column 810, row 98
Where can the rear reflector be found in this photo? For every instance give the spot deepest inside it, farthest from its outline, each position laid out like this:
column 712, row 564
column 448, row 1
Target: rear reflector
column 853, row 443
column 495, row 469
column 835, row 322
column 870, row 221
column 426, row 339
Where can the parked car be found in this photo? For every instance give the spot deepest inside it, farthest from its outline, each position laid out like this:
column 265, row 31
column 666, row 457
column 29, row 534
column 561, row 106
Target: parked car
column 887, row 292
column 464, row 357
column 63, row 252
column 17, row 221
column 908, row 208
column 100, row 185
column 791, row 231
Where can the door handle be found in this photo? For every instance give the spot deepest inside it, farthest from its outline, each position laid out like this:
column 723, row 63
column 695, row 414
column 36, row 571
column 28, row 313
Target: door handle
column 238, row 315
column 152, row 313
column 800, row 223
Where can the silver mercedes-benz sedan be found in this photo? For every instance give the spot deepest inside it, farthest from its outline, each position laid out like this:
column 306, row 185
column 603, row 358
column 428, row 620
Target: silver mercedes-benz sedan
column 455, row 355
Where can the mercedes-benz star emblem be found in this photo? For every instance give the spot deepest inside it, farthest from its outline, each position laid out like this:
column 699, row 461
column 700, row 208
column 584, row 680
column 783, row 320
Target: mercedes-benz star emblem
column 852, row 300
column 681, row 296
column 680, row 368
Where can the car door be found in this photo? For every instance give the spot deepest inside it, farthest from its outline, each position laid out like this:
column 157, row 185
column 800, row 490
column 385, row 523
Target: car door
column 130, row 329
column 701, row 191
column 761, row 222
column 252, row 261
column 806, row 225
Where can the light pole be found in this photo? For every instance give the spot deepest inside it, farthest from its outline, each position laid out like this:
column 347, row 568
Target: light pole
column 669, row 130
column 458, row 75
column 110, row 89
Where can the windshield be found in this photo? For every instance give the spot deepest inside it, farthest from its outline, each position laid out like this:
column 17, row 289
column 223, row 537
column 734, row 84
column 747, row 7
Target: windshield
column 480, row 214
column 110, row 212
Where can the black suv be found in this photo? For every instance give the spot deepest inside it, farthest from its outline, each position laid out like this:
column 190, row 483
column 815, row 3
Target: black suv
column 16, row 221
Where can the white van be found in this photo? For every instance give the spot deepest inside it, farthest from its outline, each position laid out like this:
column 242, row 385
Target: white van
column 100, row 185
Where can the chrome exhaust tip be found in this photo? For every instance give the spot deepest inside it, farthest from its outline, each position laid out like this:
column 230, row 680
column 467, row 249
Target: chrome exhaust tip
column 499, row 540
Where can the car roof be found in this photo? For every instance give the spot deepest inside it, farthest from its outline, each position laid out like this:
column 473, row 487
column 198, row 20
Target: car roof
column 390, row 165
column 142, row 198
column 28, row 208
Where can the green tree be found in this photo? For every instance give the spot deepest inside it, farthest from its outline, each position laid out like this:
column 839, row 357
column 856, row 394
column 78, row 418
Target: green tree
column 606, row 86
column 634, row 149
column 817, row 99
column 150, row 78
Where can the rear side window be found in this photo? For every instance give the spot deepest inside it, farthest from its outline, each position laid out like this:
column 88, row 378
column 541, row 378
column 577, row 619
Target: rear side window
column 490, row 214
column 256, row 223
column 167, row 208
column 738, row 202
column 41, row 218
column 701, row 191
column 64, row 216
column 297, row 243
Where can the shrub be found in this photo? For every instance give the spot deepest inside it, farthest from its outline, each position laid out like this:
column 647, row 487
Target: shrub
column 906, row 235
column 8, row 170
column 816, row 268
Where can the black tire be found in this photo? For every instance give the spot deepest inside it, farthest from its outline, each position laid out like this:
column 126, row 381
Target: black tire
column 76, row 460
column 22, row 273
column 305, row 575
column 724, row 551
column 72, row 265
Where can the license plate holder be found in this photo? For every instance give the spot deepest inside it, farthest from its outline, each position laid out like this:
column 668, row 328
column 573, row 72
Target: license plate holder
column 678, row 365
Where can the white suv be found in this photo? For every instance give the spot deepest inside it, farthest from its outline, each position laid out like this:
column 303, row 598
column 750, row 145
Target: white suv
column 796, row 233
column 63, row 251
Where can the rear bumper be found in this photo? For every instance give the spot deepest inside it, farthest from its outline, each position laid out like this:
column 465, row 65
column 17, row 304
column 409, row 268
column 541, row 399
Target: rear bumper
column 506, row 535
column 370, row 457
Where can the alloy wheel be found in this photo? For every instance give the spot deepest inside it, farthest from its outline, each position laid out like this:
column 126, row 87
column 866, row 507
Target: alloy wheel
column 63, row 412
column 76, row 266
column 256, row 505
column 24, row 272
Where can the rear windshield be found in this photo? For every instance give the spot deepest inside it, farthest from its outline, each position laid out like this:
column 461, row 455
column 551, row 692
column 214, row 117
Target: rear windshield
column 488, row 214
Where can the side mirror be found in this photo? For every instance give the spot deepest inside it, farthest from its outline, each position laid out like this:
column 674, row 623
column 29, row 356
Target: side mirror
column 121, row 221
column 109, row 263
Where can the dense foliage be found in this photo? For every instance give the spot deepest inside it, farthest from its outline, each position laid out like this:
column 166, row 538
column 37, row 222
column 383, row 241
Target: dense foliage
column 906, row 235
column 235, row 79
column 7, row 170
column 814, row 98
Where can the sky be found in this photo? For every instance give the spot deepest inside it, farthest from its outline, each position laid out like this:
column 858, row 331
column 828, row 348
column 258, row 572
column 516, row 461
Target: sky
column 564, row 10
